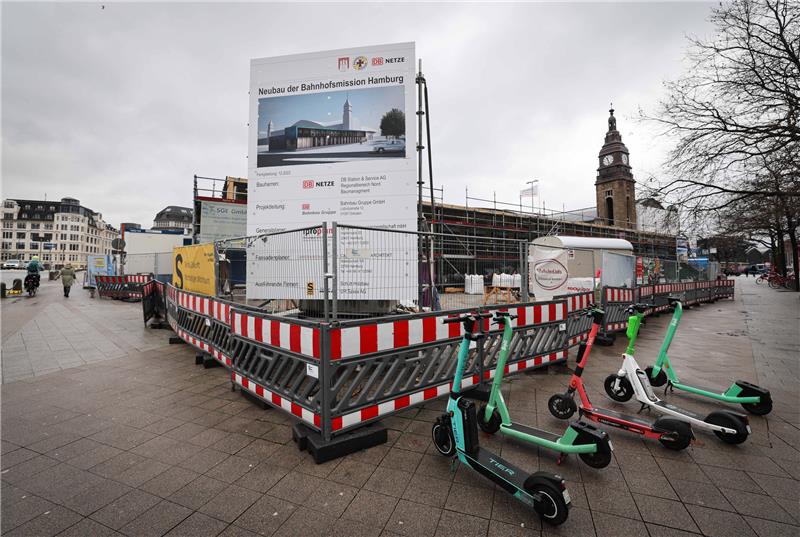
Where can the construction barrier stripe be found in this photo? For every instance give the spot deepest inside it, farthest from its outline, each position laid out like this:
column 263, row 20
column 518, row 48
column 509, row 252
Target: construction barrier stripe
column 614, row 294
column 399, row 403
column 204, row 306
column 386, row 336
column 579, row 302
column 312, row 418
column 303, row 340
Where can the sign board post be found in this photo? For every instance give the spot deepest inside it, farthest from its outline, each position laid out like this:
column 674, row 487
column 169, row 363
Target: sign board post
column 332, row 139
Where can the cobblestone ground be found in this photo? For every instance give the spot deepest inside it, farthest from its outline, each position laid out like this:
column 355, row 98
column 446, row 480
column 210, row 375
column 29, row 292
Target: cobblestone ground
column 107, row 430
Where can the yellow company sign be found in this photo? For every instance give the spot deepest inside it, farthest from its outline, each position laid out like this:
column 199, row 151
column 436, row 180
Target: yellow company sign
column 193, row 268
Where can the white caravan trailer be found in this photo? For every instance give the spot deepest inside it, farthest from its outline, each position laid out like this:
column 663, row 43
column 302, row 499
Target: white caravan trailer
column 561, row 264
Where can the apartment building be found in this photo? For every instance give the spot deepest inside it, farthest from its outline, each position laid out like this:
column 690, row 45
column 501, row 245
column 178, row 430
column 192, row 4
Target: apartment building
column 59, row 232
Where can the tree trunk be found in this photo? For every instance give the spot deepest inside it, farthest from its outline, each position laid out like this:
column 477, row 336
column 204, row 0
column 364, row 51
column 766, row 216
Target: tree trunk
column 780, row 255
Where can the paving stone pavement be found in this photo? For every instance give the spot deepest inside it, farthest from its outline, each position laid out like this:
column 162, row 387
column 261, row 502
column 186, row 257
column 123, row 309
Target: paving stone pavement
column 143, row 442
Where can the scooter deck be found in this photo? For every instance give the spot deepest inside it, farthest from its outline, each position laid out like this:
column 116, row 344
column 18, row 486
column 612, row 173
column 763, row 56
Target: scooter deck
column 620, row 416
column 503, row 473
column 669, row 406
column 532, row 431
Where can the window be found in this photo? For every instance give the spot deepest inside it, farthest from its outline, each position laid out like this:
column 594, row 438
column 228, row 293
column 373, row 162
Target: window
column 73, row 247
column 62, row 247
column 8, row 235
column 8, row 205
column 8, row 216
column 35, row 226
column 52, row 208
column 7, row 224
column 34, row 246
column 22, row 225
column 21, row 235
column 6, row 245
column 48, row 226
column 20, row 246
column 27, row 207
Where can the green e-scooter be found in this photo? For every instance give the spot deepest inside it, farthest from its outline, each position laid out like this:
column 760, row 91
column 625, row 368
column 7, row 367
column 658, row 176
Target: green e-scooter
column 754, row 399
column 456, row 433
column 587, row 441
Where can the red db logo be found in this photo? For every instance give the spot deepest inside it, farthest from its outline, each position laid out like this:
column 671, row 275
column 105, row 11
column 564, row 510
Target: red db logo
column 308, row 184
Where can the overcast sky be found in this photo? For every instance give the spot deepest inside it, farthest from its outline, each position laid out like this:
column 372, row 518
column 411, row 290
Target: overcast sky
column 120, row 106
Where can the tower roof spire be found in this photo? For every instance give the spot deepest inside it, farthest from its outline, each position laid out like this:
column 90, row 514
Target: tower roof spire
column 612, row 121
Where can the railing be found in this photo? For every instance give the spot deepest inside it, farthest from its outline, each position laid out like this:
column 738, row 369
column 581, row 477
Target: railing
column 340, row 375
column 122, row 287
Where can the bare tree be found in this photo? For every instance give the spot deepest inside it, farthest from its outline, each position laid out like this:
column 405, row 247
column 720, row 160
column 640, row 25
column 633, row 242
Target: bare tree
column 735, row 116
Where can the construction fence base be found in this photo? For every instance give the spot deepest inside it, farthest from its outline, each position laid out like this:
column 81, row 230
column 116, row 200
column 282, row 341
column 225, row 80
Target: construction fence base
column 307, row 439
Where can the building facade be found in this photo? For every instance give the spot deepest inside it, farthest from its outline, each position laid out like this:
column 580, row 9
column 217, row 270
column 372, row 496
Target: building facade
column 58, row 232
column 615, row 185
column 174, row 218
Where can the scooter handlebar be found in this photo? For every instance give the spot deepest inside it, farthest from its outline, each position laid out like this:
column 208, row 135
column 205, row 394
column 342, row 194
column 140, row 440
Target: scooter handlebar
column 640, row 307
column 461, row 318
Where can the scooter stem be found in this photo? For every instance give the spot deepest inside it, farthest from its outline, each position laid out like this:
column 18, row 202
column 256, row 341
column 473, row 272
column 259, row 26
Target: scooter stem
column 671, row 329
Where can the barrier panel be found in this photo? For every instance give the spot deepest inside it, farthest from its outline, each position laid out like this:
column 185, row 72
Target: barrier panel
column 121, row 287
column 578, row 323
column 615, row 302
column 724, row 289
column 201, row 321
column 336, row 377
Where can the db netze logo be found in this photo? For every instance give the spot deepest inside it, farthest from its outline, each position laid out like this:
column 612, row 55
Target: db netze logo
column 307, row 183
column 378, row 60
column 306, row 206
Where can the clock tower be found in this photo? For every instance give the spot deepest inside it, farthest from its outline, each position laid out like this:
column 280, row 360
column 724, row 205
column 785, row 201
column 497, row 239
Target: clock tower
column 615, row 185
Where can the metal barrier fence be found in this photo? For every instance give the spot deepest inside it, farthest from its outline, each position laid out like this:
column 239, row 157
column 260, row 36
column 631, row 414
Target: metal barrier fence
column 340, row 375
column 122, row 287
column 153, row 302
column 578, row 323
column 616, row 300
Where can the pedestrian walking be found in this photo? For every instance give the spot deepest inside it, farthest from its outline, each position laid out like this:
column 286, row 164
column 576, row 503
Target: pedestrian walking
column 67, row 278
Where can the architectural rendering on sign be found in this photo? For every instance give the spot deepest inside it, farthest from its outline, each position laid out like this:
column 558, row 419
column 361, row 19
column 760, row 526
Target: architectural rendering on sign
column 335, row 126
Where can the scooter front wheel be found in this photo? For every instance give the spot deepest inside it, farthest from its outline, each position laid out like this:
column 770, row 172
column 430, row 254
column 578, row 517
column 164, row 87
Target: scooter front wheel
column 443, row 439
column 561, row 406
column 729, row 421
column 492, row 425
column 762, row 408
column 598, row 459
column 621, row 391
column 660, row 379
column 549, row 503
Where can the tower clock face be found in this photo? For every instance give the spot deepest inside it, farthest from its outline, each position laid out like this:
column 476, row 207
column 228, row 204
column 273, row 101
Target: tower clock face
column 624, row 158
column 608, row 159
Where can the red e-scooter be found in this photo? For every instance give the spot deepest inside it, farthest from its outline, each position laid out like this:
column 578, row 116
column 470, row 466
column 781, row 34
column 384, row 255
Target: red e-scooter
column 672, row 433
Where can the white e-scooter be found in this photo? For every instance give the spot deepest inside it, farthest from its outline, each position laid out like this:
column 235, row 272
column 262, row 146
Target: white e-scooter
column 730, row 427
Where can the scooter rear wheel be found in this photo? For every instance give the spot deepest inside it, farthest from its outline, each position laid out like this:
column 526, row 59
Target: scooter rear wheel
column 660, row 379
column 681, row 435
column 622, row 392
column 762, row 408
column 491, row 426
column 549, row 504
column 562, row 406
column 443, row 439
column 724, row 419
